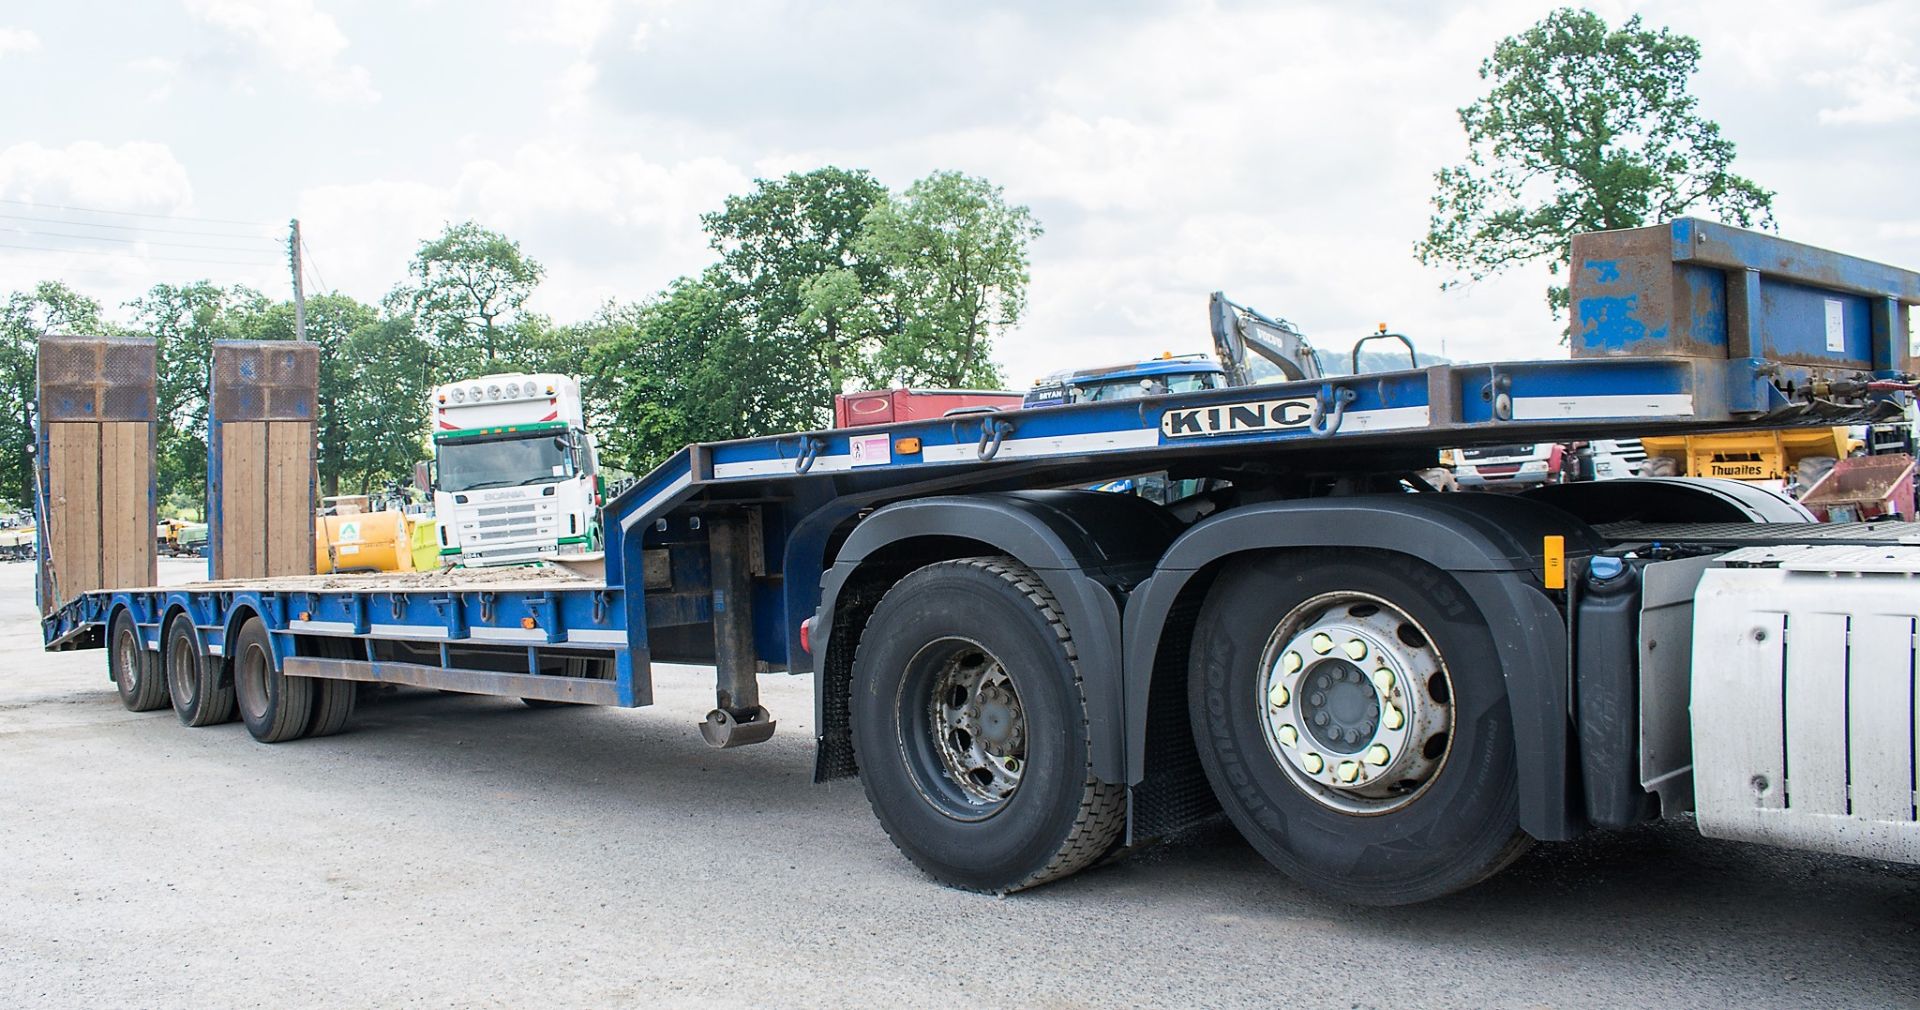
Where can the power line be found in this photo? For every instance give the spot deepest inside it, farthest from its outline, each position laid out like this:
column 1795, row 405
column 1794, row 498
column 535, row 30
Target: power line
column 136, row 213
column 133, row 255
column 320, row 281
column 30, row 233
column 134, row 228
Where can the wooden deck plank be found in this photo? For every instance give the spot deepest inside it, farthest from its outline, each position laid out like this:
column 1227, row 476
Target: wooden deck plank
column 243, row 527
column 288, row 485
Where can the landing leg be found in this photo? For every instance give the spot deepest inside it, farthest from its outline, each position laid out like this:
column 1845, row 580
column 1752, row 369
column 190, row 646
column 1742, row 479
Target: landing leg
column 738, row 719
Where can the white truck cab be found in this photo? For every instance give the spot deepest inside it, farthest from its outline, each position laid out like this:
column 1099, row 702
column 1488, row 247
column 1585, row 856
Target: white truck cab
column 516, row 476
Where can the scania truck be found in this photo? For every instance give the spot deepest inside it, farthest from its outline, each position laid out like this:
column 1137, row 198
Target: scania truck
column 1390, row 692
column 515, row 474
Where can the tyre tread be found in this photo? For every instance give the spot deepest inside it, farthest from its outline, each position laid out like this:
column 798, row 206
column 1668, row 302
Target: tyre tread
column 1096, row 827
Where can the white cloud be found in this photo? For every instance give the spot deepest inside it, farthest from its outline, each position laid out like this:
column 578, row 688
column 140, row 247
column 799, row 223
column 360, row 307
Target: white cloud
column 17, row 40
column 606, row 224
column 1880, row 88
column 296, row 38
column 134, row 176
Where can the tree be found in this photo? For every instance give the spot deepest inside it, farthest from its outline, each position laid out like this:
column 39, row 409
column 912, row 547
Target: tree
column 51, row 307
column 184, row 321
column 774, row 244
column 1586, row 128
column 677, row 370
column 375, row 422
column 956, row 259
column 469, row 286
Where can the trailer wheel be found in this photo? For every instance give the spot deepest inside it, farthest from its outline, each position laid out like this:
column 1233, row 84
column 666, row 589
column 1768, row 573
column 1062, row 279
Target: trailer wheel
column 970, row 729
column 137, row 676
column 274, row 706
column 1351, row 715
column 202, row 694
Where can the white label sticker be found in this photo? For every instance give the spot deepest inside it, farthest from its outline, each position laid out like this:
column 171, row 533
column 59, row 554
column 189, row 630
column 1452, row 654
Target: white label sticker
column 871, row 450
column 559, row 470
column 1836, row 325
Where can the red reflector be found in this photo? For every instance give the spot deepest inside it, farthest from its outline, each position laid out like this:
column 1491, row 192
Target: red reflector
column 806, row 636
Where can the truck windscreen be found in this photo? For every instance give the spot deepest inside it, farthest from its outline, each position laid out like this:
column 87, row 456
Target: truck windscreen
column 503, row 462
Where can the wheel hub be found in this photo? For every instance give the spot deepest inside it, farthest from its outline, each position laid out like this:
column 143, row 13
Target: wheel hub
column 1355, row 702
column 979, row 727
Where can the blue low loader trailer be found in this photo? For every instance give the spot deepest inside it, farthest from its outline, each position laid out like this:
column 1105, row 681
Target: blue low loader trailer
column 1390, row 691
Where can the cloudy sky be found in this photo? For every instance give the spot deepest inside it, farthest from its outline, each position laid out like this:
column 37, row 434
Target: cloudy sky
column 1281, row 151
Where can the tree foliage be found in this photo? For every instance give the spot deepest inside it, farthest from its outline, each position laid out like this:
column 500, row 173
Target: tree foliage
column 469, row 285
column 1585, row 128
column 823, row 280
column 774, row 242
column 956, row 259
column 51, row 307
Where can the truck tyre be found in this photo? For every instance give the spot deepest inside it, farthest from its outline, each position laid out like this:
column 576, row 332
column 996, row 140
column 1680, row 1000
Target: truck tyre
column 274, row 706
column 202, row 693
column 136, row 674
column 970, row 729
column 1351, row 714
column 333, row 700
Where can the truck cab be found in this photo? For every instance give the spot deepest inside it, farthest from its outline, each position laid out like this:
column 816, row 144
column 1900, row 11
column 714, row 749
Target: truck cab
column 515, row 472
column 1168, row 373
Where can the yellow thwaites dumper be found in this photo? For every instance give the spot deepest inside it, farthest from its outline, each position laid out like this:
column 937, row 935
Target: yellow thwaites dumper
column 1767, row 457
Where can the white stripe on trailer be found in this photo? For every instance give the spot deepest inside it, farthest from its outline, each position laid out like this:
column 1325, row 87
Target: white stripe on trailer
column 1046, row 445
column 1386, row 419
column 507, row 634
column 323, row 627
column 406, row 631
column 769, row 467
column 678, row 485
column 1549, row 408
column 593, row 635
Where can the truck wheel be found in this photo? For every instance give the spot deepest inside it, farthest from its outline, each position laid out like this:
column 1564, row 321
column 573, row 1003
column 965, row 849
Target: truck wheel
column 202, row 694
column 1351, row 715
column 136, row 675
column 970, row 729
column 274, row 706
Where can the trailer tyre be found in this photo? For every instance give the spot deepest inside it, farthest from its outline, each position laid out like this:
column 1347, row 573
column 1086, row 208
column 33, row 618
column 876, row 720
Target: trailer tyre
column 274, row 706
column 198, row 683
column 970, row 729
column 1351, row 714
column 333, row 700
column 137, row 676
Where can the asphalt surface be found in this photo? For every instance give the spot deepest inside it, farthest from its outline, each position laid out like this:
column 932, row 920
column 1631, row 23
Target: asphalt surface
column 449, row 851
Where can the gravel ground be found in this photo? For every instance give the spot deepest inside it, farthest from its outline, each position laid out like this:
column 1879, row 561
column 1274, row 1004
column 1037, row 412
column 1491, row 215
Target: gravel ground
column 470, row 852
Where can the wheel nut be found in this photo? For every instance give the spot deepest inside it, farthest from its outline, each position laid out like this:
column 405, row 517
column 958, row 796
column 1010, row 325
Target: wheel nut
column 1378, row 754
column 1313, row 763
column 1392, row 719
column 1013, row 764
column 1278, row 696
column 1288, row 735
column 1356, row 649
column 1323, row 643
column 1383, row 679
column 1291, row 662
column 1349, row 770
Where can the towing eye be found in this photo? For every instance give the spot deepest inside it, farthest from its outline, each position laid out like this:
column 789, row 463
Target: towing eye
column 1323, row 423
column 992, row 433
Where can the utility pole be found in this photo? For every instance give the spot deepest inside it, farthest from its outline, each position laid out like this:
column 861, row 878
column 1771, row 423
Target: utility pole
column 299, row 288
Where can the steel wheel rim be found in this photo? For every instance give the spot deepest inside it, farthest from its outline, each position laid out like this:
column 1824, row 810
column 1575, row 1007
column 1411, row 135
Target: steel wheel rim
column 254, row 665
column 963, row 728
column 1356, row 703
column 125, row 677
column 180, row 662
